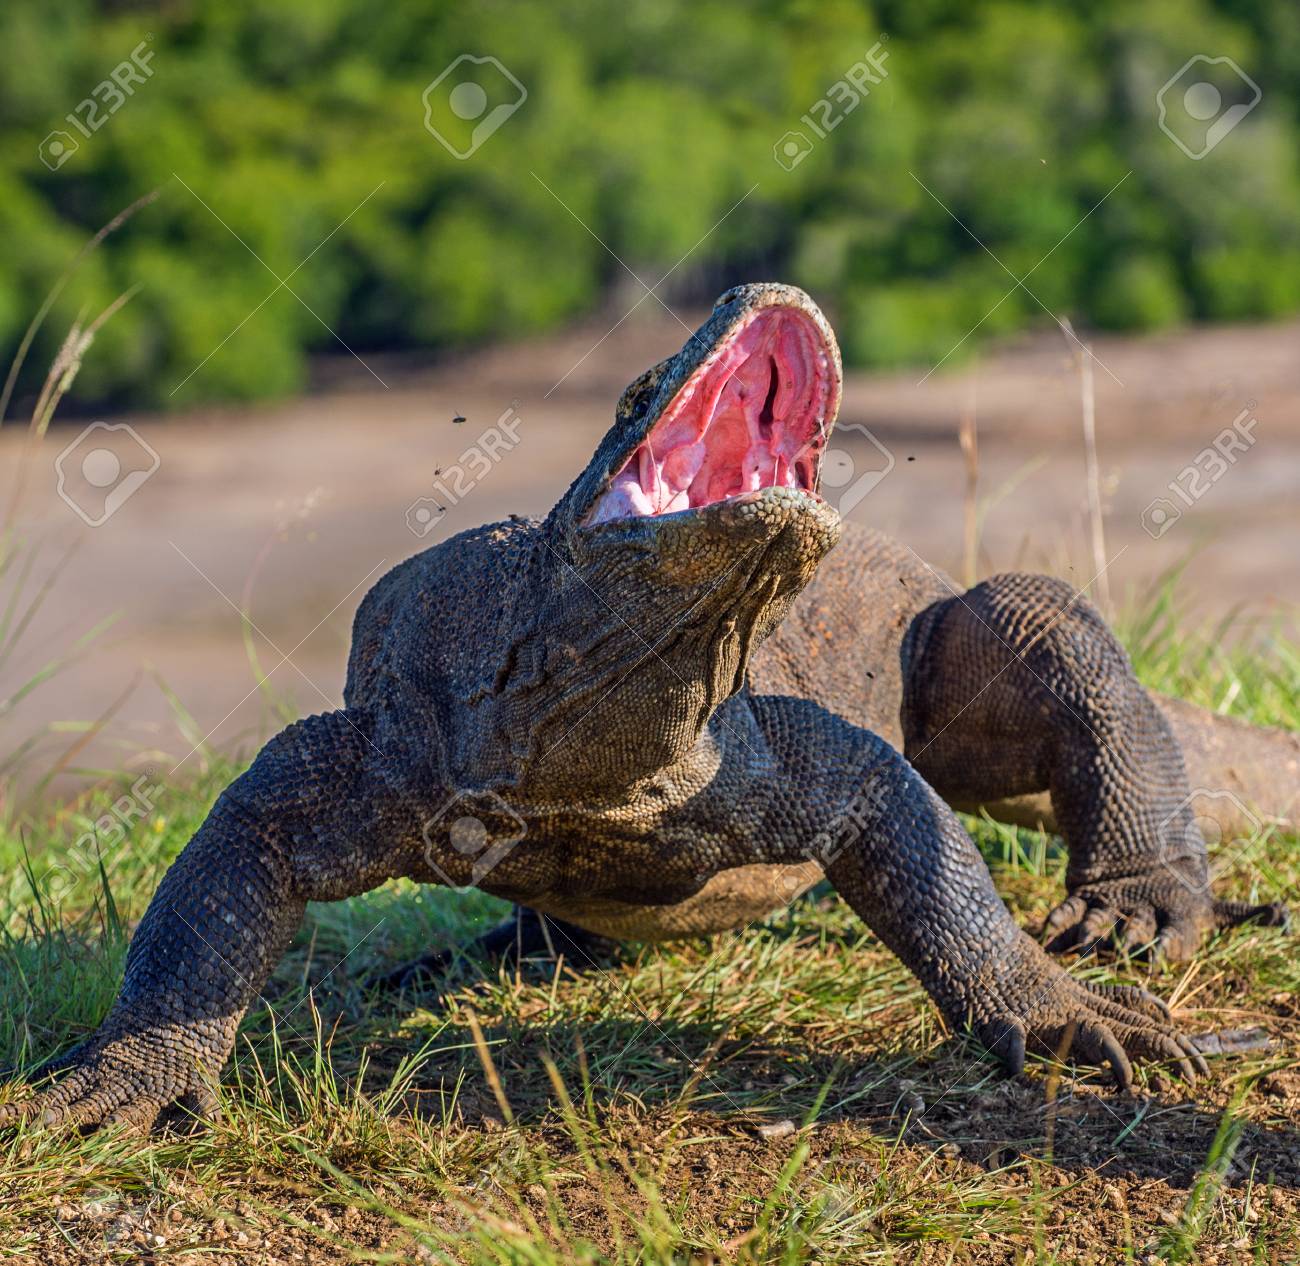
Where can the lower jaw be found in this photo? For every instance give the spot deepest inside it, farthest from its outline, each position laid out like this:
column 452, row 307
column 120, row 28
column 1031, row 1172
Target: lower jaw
column 794, row 529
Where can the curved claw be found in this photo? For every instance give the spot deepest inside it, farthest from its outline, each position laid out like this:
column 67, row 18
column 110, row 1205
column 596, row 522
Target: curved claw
column 1041, row 1007
column 1005, row 1039
column 1194, row 1054
column 1164, row 920
column 1099, row 1045
column 1065, row 916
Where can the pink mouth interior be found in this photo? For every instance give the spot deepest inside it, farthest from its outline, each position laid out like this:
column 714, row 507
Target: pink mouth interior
column 752, row 416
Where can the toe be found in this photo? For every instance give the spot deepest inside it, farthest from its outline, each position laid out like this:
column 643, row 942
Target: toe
column 136, row 1115
column 1005, row 1039
column 1097, row 929
column 16, row 1112
column 1231, row 914
column 1139, row 930
column 1177, row 941
column 1135, row 998
column 47, row 1106
column 190, row 1113
column 93, row 1109
column 1193, row 1053
column 1066, row 915
column 1061, row 929
column 1098, row 1043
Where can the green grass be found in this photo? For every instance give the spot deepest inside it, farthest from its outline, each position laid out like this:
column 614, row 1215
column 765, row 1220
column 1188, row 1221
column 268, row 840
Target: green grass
column 635, row 1105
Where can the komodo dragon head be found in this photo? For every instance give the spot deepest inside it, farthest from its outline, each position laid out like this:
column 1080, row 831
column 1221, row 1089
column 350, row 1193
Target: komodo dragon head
column 684, row 541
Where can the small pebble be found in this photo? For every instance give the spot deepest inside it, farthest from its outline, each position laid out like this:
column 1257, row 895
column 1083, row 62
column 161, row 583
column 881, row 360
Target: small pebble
column 776, row 1129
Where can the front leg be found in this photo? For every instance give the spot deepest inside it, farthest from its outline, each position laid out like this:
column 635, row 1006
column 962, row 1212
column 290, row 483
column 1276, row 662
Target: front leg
column 900, row 857
column 303, row 823
column 1018, row 686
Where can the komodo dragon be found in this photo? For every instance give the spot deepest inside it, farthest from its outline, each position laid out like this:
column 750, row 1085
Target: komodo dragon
column 668, row 707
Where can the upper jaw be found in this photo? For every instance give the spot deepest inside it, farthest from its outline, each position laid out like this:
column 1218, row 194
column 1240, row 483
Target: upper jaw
column 745, row 406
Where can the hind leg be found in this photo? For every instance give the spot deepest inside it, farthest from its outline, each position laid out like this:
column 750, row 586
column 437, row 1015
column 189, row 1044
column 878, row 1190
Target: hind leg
column 1018, row 686
column 524, row 934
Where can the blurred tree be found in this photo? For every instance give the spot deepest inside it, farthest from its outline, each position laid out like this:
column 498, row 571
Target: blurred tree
column 1010, row 140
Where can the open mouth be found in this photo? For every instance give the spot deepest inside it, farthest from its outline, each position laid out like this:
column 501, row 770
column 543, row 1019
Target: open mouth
column 753, row 415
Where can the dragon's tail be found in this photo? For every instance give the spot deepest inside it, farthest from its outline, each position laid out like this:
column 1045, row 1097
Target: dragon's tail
column 1243, row 777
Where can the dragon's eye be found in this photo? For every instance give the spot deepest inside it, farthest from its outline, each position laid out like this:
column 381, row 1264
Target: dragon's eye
column 638, row 393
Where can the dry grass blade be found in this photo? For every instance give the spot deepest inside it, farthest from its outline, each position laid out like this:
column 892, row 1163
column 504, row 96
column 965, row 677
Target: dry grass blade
column 1088, row 412
column 970, row 505
column 20, row 357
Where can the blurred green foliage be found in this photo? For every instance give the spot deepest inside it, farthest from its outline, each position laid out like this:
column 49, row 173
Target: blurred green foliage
column 648, row 134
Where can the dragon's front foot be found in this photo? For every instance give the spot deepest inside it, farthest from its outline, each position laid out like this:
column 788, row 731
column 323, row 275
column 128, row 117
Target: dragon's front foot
column 1034, row 1006
column 1162, row 913
column 121, row 1076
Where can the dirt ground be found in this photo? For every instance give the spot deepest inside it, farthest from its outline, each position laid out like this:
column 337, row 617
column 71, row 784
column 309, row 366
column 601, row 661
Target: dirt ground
column 294, row 509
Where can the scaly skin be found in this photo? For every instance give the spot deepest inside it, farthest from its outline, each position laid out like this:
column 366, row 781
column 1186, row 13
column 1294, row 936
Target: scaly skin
column 595, row 698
